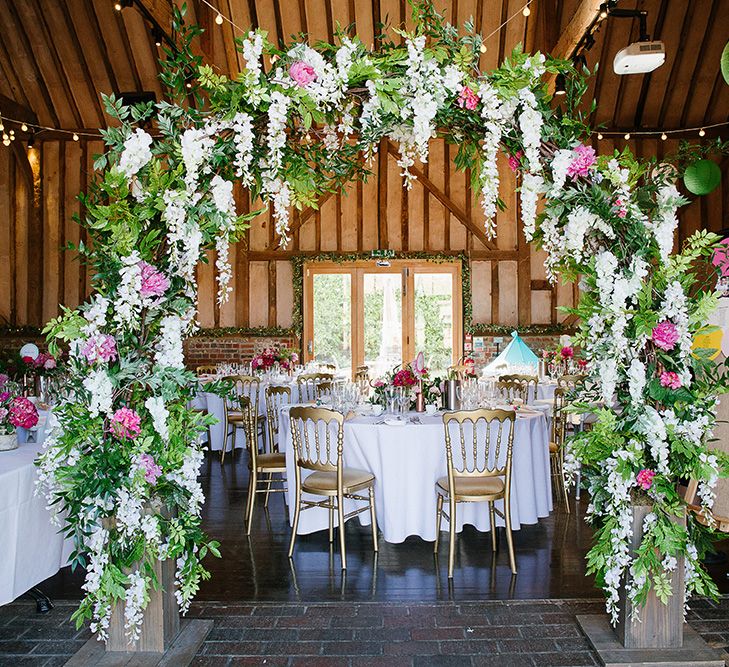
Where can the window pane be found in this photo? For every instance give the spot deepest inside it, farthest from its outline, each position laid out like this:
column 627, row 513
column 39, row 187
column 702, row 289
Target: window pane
column 434, row 320
column 382, row 322
column 333, row 319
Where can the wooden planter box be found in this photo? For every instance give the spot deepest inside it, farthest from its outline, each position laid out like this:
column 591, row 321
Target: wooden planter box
column 660, row 625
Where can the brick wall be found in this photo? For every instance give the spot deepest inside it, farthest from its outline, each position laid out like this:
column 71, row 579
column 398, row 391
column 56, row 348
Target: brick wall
column 12, row 344
column 214, row 350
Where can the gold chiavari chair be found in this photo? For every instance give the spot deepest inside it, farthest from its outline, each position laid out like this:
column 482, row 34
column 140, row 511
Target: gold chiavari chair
column 530, row 381
column 206, row 370
column 313, row 430
column 556, row 444
column 362, row 374
column 511, row 389
column 480, row 476
column 276, row 398
column 323, row 389
column 570, row 381
column 243, row 386
column 306, row 382
column 259, row 464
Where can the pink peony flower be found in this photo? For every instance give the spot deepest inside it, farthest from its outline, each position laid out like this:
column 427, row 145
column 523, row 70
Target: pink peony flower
column 22, row 413
column 101, row 347
column 294, row 358
column 720, row 258
column 50, row 363
column 584, row 158
column 622, row 210
column 302, row 73
column 665, row 335
column 645, row 479
column 567, row 352
column 378, row 383
column 125, row 424
column 467, row 98
column 404, row 378
column 151, row 470
column 3, row 414
column 515, row 160
column 4, row 396
column 670, row 380
column 582, row 363
column 154, row 282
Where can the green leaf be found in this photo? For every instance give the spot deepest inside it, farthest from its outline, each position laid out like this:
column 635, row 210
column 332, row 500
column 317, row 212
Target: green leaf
column 725, row 63
column 702, row 177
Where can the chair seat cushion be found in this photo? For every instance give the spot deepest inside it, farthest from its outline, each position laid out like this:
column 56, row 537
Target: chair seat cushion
column 553, row 447
column 473, row 487
column 325, row 483
column 271, row 460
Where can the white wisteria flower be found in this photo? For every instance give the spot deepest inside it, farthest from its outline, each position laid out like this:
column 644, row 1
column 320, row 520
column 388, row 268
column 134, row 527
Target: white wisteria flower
column 136, row 154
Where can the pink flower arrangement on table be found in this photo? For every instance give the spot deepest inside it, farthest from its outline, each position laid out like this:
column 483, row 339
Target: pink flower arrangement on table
column 125, row 424
column 665, row 335
column 154, row 282
column 285, row 357
column 404, row 378
column 584, row 159
column 468, row 99
column 670, row 380
column 302, row 73
column 644, row 479
column 16, row 412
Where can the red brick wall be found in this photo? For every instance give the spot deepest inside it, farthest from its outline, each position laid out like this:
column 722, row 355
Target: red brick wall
column 213, row 350
column 14, row 343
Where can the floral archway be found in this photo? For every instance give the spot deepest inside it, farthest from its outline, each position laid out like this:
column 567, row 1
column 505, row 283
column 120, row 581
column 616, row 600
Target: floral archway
column 123, row 459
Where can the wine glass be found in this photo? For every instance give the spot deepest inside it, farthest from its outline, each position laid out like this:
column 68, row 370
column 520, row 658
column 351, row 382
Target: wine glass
column 403, row 399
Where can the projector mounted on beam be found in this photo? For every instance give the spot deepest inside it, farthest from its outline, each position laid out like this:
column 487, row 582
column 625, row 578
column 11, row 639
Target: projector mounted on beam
column 639, row 57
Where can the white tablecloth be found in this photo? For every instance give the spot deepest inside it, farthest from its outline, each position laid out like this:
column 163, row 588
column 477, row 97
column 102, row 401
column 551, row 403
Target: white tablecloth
column 32, row 548
column 407, row 461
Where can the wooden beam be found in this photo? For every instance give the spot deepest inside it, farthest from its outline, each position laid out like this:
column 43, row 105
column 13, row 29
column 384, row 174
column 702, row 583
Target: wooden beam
column 158, row 12
column 446, row 201
column 582, row 17
column 382, row 240
column 12, row 109
column 541, row 286
column 22, row 158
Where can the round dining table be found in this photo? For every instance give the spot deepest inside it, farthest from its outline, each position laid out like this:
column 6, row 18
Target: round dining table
column 408, row 459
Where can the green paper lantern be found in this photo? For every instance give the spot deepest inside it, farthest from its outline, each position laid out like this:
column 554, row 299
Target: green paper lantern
column 702, row 177
column 725, row 63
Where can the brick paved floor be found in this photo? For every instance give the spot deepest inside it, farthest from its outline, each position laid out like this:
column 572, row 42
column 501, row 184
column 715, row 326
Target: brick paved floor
column 505, row 633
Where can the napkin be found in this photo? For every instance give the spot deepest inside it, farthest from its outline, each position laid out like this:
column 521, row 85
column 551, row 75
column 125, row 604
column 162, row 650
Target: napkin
column 394, row 421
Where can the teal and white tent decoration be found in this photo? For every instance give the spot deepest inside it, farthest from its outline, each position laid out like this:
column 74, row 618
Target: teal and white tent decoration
column 516, row 357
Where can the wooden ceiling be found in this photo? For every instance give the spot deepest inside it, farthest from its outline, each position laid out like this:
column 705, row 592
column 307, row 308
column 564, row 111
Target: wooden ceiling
column 57, row 57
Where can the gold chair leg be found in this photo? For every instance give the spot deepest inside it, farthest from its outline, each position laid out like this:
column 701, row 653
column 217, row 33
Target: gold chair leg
column 225, row 443
column 269, row 482
column 342, row 546
column 564, row 487
column 250, row 494
column 295, row 527
column 331, row 519
column 438, row 518
column 509, row 536
column 253, row 486
column 451, row 538
column 492, row 519
column 374, row 518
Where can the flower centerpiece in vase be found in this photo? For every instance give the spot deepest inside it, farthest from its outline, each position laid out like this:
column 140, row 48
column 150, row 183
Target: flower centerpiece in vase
column 267, row 360
column 16, row 411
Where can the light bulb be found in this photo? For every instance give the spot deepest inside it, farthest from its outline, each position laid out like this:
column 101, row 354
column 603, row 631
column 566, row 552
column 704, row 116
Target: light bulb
column 118, row 6
column 599, row 136
column 2, row 127
column 75, row 136
column 483, row 48
column 702, row 132
column 526, row 11
column 219, row 19
column 6, row 137
column 189, row 85
column 6, row 142
column 627, row 136
column 664, row 136
column 24, row 127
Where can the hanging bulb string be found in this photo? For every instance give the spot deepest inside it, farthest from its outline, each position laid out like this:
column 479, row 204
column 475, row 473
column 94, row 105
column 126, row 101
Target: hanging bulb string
column 663, row 134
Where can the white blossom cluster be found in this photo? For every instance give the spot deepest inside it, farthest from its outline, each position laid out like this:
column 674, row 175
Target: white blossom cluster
column 491, row 113
column 665, row 222
column 135, row 600
column 184, row 238
column 129, row 299
column 136, row 153
column 530, row 124
column 196, row 145
column 243, row 140
column 187, row 478
column 100, row 389
column 158, row 411
column 222, row 194
column 252, row 49
column 169, row 352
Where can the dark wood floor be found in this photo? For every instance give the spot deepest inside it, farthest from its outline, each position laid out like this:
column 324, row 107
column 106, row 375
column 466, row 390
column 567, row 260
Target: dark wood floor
column 550, row 558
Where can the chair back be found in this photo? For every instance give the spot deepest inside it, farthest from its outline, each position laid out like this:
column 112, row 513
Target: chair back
column 530, row 382
column 511, row 389
column 559, row 416
column 206, row 370
column 328, row 367
column 248, row 386
column 246, row 407
column 570, row 381
column 276, row 398
column 362, row 374
column 323, row 389
column 484, row 443
column 318, row 437
column 307, row 382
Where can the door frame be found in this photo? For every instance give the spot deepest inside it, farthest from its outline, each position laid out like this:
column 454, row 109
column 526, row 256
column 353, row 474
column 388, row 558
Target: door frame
column 407, row 268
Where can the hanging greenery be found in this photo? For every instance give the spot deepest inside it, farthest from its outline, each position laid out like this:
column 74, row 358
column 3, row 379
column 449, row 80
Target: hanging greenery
column 122, row 460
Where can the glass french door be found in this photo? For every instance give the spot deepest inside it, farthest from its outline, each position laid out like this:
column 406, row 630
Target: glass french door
column 379, row 316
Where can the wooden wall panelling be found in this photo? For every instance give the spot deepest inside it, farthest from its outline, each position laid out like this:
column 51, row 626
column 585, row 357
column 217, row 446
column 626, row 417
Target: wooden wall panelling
column 284, row 294
column 438, row 211
column 481, row 292
column 329, row 229
column 7, row 186
column 348, row 208
column 72, row 186
column 508, row 293
column 51, row 223
column 392, row 224
column 416, row 217
column 207, row 291
column 258, row 297
column 21, row 219
column 456, row 190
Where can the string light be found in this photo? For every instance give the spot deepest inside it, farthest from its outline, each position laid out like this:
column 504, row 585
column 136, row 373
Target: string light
column 24, row 127
column 75, row 136
column 526, row 11
column 118, row 6
column 627, row 136
column 664, row 136
column 702, row 132
column 599, row 136
column 219, row 19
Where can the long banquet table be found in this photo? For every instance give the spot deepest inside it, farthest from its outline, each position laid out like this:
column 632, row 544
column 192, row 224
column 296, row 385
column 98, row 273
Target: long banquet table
column 407, row 460
column 33, row 549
